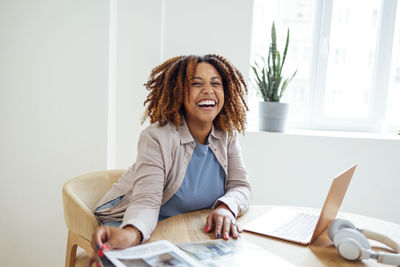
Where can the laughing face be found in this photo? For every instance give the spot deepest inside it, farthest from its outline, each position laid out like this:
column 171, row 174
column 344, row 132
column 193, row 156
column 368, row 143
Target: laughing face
column 206, row 96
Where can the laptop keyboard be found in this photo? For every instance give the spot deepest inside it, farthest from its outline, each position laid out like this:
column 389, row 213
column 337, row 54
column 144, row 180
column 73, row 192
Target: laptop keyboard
column 299, row 228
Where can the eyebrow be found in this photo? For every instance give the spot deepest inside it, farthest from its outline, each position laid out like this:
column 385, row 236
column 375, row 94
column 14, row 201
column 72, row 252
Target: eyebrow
column 213, row 78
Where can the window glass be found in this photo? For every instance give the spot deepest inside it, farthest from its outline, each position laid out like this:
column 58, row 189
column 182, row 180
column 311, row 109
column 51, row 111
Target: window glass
column 341, row 78
column 296, row 15
column 352, row 43
column 393, row 102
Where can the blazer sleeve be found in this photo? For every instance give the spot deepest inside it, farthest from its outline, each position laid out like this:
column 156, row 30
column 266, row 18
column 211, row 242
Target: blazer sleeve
column 148, row 186
column 237, row 192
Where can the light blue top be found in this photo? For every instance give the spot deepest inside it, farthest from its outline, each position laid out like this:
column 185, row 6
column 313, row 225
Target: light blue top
column 202, row 185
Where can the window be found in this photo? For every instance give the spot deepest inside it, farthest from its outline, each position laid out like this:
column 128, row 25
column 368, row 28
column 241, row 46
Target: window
column 391, row 122
column 348, row 58
column 350, row 70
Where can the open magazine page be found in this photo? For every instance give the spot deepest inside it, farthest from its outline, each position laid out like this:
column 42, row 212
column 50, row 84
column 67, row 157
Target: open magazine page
column 159, row 253
column 231, row 253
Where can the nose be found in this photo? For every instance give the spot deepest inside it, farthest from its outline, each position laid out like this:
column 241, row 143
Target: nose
column 208, row 89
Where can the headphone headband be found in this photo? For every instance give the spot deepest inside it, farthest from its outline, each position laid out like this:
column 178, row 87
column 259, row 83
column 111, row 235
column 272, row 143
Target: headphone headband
column 381, row 238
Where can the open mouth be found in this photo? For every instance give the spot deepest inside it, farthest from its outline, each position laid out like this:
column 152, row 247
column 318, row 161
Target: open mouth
column 207, row 103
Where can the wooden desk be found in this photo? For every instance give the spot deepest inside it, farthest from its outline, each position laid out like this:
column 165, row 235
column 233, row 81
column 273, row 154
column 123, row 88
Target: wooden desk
column 189, row 227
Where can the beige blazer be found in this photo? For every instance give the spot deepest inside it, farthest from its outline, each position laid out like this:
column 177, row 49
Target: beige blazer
column 162, row 159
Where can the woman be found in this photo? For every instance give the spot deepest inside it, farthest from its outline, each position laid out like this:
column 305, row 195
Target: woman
column 188, row 158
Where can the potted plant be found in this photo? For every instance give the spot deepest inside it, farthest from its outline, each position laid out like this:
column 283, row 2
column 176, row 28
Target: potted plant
column 271, row 86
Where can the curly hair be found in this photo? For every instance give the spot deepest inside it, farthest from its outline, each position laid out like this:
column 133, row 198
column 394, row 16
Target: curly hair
column 167, row 84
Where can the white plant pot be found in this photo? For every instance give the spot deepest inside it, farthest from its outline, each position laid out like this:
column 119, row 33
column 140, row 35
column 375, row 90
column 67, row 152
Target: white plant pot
column 272, row 116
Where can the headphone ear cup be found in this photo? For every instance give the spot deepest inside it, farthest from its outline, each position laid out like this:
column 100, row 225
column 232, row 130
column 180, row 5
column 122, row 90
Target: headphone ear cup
column 336, row 225
column 351, row 244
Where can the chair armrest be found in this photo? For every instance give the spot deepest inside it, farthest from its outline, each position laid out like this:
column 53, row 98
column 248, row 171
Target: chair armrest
column 78, row 217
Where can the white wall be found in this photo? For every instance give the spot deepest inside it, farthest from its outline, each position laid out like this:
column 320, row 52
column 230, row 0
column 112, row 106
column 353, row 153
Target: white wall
column 138, row 51
column 53, row 107
column 204, row 27
column 297, row 170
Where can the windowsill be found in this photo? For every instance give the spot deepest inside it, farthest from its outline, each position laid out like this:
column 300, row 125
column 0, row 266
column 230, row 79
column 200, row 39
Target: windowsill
column 323, row 133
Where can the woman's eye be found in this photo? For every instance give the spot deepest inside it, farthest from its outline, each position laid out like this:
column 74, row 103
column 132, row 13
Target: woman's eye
column 196, row 84
column 216, row 84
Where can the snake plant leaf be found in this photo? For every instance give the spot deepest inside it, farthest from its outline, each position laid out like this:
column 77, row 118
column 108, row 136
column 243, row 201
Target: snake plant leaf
column 264, row 88
column 256, row 74
column 276, row 94
column 278, row 60
column 271, row 91
column 269, row 59
column 273, row 46
column 285, row 51
column 285, row 83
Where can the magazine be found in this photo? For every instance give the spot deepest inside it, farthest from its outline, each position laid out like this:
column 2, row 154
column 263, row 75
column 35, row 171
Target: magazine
column 159, row 253
column 211, row 253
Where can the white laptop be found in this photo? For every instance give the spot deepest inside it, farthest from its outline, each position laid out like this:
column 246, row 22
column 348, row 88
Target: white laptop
column 299, row 226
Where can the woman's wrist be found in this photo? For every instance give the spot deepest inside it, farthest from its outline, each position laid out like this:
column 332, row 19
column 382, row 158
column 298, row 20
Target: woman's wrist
column 222, row 205
column 136, row 233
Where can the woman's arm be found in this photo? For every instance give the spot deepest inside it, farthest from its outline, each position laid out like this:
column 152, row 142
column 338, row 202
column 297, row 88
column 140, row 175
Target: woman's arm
column 237, row 195
column 140, row 218
column 238, row 192
column 149, row 176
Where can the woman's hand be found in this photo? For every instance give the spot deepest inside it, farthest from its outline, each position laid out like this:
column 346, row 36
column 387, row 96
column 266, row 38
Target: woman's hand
column 224, row 221
column 108, row 237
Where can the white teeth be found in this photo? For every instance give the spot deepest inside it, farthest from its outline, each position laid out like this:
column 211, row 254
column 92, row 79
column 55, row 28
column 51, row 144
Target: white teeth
column 206, row 103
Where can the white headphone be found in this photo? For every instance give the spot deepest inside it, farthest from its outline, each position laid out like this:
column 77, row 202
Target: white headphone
column 352, row 243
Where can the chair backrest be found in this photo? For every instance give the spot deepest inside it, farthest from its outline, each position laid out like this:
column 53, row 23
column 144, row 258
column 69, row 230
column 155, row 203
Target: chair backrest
column 81, row 194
